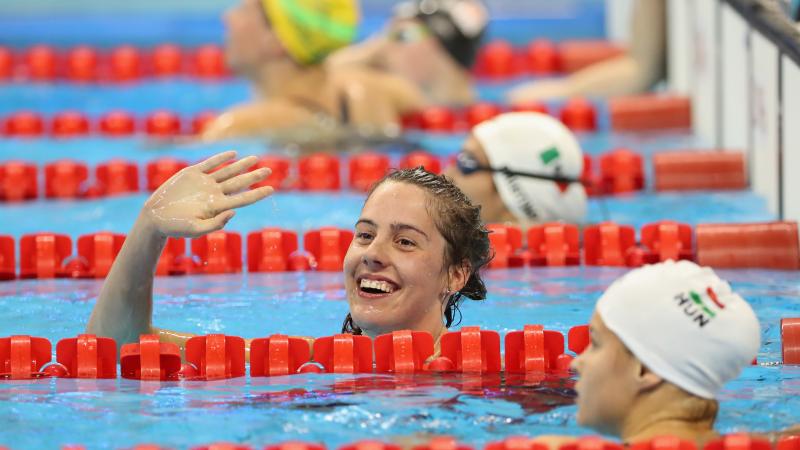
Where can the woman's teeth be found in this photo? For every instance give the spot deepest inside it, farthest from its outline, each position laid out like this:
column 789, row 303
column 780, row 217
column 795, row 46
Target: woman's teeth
column 381, row 286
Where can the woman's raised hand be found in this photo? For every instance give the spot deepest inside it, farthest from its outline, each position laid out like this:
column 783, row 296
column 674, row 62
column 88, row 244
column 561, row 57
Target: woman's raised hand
column 198, row 200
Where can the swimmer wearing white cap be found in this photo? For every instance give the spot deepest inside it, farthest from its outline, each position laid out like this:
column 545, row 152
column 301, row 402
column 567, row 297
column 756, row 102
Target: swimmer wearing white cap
column 522, row 167
column 665, row 338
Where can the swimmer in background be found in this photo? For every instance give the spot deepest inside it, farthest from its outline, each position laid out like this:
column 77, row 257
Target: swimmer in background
column 522, row 167
column 431, row 43
column 634, row 72
column 418, row 248
column 280, row 46
column 665, row 338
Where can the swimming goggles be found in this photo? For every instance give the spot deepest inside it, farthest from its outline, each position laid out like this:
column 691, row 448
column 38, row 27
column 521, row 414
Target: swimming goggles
column 467, row 164
column 408, row 33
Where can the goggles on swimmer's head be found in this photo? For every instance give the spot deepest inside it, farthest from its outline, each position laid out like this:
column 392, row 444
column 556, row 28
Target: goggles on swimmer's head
column 408, row 33
column 467, row 164
column 458, row 25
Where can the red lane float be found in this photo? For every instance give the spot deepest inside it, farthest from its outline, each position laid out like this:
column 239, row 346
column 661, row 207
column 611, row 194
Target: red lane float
column 575, row 55
column 667, row 240
column 42, row 255
column 216, row 356
column 88, row 356
column 480, row 112
column 438, row 119
column 344, row 353
column 70, row 124
column 280, row 167
column 579, row 115
column 328, row 246
column 96, row 253
column 591, row 443
column 6, row 63
column 497, row 59
column 516, row 443
column 578, row 338
column 173, row 260
column 554, row 244
column 8, row 262
column 664, row 443
column 370, row 445
column 278, row 355
column 218, row 252
column 82, row 63
column 27, row 124
column 116, row 177
column 22, row 357
column 608, row 244
column 161, row 170
column 790, row 340
column 125, row 64
column 319, row 172
column 117, row 124
column 223, row 446
column 621, row 171
column 150, row 360
column 697, row 170
column 167, row 60
column 419, row 158
column 535, row 350
column 542, row 57
column 162, row 124
column 788, row 443
column 470, row 350
column 442, row 443
column 208, row 62
column 18, row 181
column 367, row 169
column 403, row 351
column 769, row 245
column 270, row 250
column 650, row 112
column 738, row 441
column 295, row 445
column 40, row 63
column 506, row 241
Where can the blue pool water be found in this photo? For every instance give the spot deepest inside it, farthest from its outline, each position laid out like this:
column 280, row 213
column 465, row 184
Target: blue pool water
column 325, row 408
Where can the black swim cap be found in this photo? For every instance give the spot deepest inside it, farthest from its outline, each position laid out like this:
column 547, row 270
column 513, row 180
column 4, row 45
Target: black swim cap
column 459, row 25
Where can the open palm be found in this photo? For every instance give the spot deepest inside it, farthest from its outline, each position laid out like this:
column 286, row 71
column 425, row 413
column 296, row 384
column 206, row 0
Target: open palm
column 198, row 200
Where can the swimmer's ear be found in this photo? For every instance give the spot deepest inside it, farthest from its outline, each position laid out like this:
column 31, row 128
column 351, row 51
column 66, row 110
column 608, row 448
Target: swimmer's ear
column 648, row 380
column 458, row 276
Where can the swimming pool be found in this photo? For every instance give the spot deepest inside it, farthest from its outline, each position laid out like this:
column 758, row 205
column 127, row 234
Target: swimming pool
column 333, row 409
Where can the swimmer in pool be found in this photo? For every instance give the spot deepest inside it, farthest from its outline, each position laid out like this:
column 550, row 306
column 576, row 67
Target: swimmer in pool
column 636, row 71
column 432, row 43
column 418, row 247
column 665, row 338
column 522, row 167
column 280, row 45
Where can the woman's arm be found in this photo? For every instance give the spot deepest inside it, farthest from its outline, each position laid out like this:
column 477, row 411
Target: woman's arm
column 193, row 202
column 636, row 71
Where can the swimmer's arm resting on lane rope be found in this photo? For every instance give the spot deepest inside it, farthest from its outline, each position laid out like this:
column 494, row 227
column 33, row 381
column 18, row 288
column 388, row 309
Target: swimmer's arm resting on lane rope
column 180, row 339
column 192, row 203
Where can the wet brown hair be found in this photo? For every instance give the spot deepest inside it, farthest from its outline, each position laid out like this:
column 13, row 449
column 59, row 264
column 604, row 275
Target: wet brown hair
column 459, row 222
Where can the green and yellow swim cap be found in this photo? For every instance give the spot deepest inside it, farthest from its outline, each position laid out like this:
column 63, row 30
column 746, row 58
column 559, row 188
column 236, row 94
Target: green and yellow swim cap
column 311, row 29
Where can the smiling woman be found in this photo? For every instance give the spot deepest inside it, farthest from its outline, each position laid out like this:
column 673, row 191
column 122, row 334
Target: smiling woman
column 418, row 248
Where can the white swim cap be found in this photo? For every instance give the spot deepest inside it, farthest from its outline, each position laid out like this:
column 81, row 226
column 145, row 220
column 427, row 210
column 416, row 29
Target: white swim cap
column 536, row 143
column 684, row 323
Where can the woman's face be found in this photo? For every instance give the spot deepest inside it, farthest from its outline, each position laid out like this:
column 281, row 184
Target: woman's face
column 411, row 51
column 479, row 186
column 249, row 41
column 394, row 269
column 608, row 380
